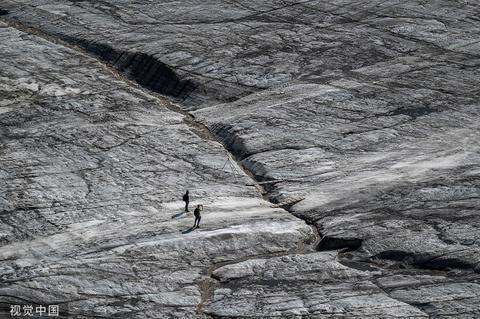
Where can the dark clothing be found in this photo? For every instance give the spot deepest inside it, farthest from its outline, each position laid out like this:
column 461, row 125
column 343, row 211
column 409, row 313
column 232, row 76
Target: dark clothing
column 196, row 212
column 197, row 221
column 186, row 199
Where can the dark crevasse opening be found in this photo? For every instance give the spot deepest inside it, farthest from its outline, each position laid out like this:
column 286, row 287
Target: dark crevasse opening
column 426, row 261
column 3, row 12
column 334, row 243
column 145, row 69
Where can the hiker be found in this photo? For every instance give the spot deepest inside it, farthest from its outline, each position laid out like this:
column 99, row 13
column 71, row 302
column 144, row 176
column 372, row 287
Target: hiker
column 196, row 212
column 186, row 199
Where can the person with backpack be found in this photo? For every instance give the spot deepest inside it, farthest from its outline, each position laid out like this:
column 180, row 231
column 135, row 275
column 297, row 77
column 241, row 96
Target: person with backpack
column 186, row 199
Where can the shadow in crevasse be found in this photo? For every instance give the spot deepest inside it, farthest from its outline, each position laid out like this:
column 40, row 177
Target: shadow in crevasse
column 188, row 230
column 145, row 69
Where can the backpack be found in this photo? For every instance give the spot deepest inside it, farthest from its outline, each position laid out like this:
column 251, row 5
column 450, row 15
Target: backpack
column 185, row 197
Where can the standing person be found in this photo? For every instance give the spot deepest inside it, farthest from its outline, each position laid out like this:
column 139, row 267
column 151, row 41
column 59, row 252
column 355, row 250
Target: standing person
column 196, row 212
column 186, row 199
